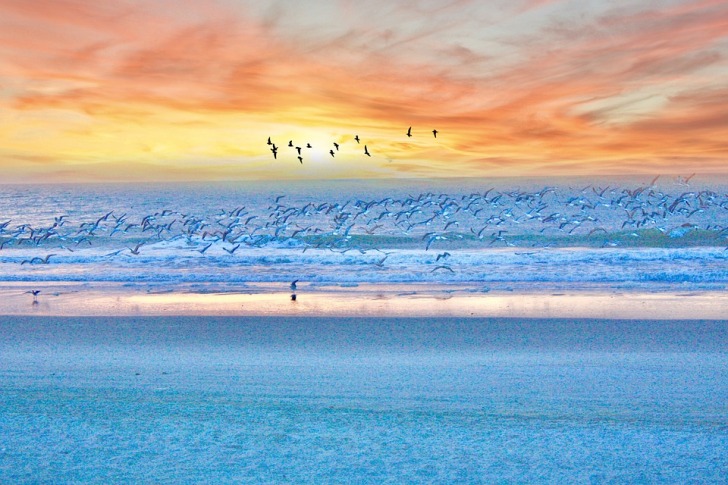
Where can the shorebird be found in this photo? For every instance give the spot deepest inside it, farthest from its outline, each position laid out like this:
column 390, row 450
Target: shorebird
column 37, row 259
column 35, row 294
column 442, row 256
column 202, row 251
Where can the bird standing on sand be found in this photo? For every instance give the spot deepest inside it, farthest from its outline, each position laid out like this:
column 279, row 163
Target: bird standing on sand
column 35, row 294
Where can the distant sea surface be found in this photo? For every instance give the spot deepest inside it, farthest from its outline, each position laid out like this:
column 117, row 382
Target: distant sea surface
column 625, row 233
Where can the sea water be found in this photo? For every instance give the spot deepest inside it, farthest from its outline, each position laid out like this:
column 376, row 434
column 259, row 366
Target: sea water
column 619, row 233
column 362, row 400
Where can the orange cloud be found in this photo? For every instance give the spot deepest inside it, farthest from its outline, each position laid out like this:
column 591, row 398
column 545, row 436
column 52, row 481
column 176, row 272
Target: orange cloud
column 92, row 84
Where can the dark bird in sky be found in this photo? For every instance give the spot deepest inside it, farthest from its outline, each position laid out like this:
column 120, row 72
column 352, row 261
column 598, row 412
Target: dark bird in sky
column 275, row 151
column 366, row 152
column 300, row 159
column 356, row 138
column 269, row 142
column 336, row 145
column 308, row 145
column 290, row 143
column 331, row 152
column 298, row 149
column 409, row 131
column 434, row 132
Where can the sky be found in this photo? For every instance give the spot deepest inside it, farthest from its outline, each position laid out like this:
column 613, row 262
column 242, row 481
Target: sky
column 161, row 90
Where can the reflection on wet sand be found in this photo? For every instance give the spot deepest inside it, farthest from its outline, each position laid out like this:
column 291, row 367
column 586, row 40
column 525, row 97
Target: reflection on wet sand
column 367, row 300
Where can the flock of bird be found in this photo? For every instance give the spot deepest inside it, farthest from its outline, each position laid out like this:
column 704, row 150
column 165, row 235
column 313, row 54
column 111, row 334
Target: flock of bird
column 592, row 216
column 441, row 222
column 334, row 148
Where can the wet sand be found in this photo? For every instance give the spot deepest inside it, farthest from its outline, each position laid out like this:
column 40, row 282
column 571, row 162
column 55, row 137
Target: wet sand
column 78, row 299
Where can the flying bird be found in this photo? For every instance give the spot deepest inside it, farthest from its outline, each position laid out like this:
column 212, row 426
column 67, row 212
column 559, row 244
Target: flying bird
column 269, row 142
column 434, row 132
column 336, row 145
column 356, row 138
column 366, row 152
column 409, row 131
column 37, row 259
column 300, row 159
column 331, row 152
column 275, row 152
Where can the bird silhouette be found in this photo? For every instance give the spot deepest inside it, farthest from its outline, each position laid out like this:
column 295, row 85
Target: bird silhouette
column 269, row 142
column 366, row 152
column 409, row 131
column 336, row 145
column 434, row 132
column 356, row 138
column 331, row 152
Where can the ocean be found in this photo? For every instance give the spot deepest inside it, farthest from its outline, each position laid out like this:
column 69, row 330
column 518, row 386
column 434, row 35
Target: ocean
column 503, row 233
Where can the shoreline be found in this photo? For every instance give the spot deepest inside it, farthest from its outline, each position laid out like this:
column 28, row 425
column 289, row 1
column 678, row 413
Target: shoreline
column 369, row 300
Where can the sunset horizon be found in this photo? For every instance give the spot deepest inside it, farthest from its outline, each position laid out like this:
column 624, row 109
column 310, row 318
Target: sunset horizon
column 136, row 91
